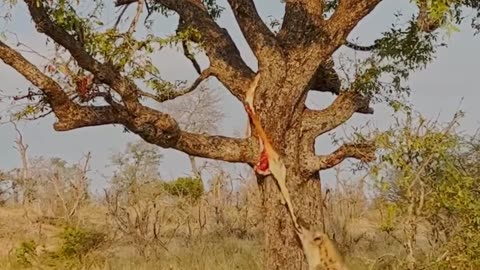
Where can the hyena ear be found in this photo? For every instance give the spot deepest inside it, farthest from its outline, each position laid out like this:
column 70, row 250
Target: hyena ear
column 302, row 223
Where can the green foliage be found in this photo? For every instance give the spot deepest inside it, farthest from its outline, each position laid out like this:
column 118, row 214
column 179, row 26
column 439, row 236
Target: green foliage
column 77, row 242
column 127, row 52
column 25, row 253
column 213, row 8
column 402, row 49
column 369, row 81
column 385, row 73
column 407, row 47
column 475, row 5
column 31, row 111
column 389, row 216
column 429, row 174
column 191, row 188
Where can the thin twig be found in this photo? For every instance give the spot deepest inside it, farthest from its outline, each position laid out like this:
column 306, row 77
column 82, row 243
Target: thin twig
column 120, row 17
column 169, row 95
column 135, row 20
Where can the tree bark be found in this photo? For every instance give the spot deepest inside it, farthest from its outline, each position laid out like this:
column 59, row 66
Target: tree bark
column 283, row 250
column 282, row 247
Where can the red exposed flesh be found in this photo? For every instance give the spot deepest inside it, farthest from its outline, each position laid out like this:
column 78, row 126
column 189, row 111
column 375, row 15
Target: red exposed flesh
column 262, row 166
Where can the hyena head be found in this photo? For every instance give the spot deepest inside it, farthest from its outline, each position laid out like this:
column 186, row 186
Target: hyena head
column 320, row 251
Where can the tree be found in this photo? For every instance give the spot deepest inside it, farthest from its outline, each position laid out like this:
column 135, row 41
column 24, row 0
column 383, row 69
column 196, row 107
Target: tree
column 137, row 165
column 109, row 65
column 198, row 112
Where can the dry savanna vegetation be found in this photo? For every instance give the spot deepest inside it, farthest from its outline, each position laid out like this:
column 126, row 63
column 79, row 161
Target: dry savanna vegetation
column 410, row 199
column 417, row 208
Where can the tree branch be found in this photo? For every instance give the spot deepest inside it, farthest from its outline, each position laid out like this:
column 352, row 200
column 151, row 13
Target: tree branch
column 424, row 22
column 186, row 51
column 86, row 116
column 190, row 56
column 362, row 151
column 357, row 47
column 260, row 39
column 170, row 95
column 315, row 123
column 153, row 126
column 69, row 114
column 56, row 97
column 124, row 2
column 162, row 130
column 226, row 62
column 300, row 15
column 346, row 16
column 342, row 109
column 219, row 147
column 103, row 72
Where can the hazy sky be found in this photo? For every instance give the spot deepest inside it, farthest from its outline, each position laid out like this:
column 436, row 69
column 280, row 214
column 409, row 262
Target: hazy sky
column 438, row 89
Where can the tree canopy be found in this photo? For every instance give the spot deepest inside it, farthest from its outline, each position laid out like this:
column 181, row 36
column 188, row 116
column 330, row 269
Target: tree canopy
column 103, row 71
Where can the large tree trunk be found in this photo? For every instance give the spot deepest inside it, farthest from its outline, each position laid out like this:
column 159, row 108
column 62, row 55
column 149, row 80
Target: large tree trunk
column 282, row 248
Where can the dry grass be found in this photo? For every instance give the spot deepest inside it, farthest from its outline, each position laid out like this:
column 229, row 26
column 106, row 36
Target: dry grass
column 214, row 233
column 210, row 251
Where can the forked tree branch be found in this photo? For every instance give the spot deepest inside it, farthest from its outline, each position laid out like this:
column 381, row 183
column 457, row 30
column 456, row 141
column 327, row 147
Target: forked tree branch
column 317, row 122
column 103, row 72
column 70, row 115
column 345, row 105
column 345, row 17
column 153, row 126
column 226, row 62
column 260, row 39
column 362, row 151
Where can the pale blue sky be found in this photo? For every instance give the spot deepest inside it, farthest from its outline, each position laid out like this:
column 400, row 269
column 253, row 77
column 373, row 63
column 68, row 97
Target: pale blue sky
column 438, row 89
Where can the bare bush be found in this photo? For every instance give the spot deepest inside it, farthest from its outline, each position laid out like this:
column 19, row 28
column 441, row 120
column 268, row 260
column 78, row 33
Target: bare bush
column 61, row 189
column 147, row 221
column 186, row 223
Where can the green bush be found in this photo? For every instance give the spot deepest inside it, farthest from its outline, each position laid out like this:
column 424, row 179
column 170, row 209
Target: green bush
column 25, row 252
column 77, row 242
column 191, row 188
column 429, row 176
